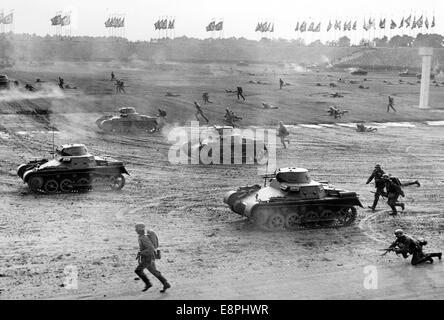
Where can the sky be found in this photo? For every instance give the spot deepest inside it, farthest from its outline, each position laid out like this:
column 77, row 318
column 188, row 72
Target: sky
column 240, row 16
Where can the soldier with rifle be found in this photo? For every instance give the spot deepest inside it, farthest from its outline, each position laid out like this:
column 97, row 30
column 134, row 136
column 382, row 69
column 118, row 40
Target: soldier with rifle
column 283, row 134
column 407, row 245
column 231, row 117
column 239, row 93
column 377, row 175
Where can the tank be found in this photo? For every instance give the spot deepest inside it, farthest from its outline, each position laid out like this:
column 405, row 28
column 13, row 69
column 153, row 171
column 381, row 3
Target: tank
column 293, row 201
column 359, row 72
column 252, row 152
column 408, row 74
column 73, row 169
column 4, row 82
column 128, row 120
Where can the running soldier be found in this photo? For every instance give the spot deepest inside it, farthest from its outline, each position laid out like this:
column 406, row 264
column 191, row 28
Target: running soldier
column 206, row 98
column 231, row 117
column 240, row 92
column 391, row 104
column 405, row 245
column 377, row 175
column 199, row 112
column 120, row 86
column 113, row 76
column 393, row 188
column 283, row 134
column 281, row 83
column 61, row 83
column 161, row 115
column 148, row 244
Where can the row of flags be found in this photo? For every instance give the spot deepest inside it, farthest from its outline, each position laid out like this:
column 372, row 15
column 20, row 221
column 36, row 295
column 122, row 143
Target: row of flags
column 369, row 24
column 115, row 22
column 8, row 19
column 312, row 27
column 163, row 24
column 60, row 20
column 264, row 27
column 213, row 26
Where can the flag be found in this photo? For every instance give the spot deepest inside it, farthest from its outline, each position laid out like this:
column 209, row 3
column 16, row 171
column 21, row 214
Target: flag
column 272, row 28
column 355, row 25
column 8, row 19
column 433, row 23
column 382, row 24
column 426, row 22
column 372, row 23
column 157, row 25
column 330, row 25
column 408, row 21
column 297, row 27
column 66, row 20
column 303, row 27
column 414, row 23
column 393, row 25
column 164, row 24
column 171, row 24
column 57, row 20
column 211, row 26
column 420, row 22
column 366, row 26
column 401, row 24
column 345, row 28
column 311, row 27
column 337, row 25
column 219, row 26
column 318, row 28
column 122, row 23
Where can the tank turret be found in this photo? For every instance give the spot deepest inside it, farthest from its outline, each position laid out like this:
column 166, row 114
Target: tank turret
column 292, row 200
column 73, row 169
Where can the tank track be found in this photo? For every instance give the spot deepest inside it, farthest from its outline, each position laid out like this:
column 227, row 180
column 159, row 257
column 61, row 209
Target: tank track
column 275, row 218
column 59, row 184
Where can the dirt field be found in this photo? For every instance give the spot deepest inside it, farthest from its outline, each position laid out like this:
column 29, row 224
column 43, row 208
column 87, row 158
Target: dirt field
column 208, row 251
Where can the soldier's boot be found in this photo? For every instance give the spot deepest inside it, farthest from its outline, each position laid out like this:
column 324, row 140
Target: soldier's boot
column 436, row 255
column 165, row 283
column 145, row 279
column 394, row 211
column 417, row 183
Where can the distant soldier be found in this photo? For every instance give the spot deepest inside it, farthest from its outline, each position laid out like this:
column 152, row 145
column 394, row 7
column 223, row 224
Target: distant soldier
column 199, row 112
column 391, row 104
column 405, row 245
column 377, row 175
column 120, row 86
column 231, row 117
column 283, row 134
column 240, row 93
column 148, row 244
column 206, row 98
column 281, row 83
column 161, row 115
column 393, row 189
column 29, row 87
column 113, row 76
column 61, row 83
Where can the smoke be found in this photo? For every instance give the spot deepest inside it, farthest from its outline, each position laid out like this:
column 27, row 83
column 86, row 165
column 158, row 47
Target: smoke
column 298, row 68
column 46, row 91
column 326, row 61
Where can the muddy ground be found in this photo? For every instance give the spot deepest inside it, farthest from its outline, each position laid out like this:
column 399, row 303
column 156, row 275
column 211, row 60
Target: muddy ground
column 208, row 251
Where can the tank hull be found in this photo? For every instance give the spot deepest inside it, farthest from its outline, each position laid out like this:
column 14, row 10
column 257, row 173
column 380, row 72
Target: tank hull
column 62, row 179
column 288, row 212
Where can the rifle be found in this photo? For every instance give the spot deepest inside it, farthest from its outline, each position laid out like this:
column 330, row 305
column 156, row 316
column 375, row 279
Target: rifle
column 387, row 250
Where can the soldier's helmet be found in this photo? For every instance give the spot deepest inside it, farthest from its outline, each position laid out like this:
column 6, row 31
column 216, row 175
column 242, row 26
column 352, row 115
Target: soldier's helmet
column 140, row 226
column 378, row 166
column 399, row 232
